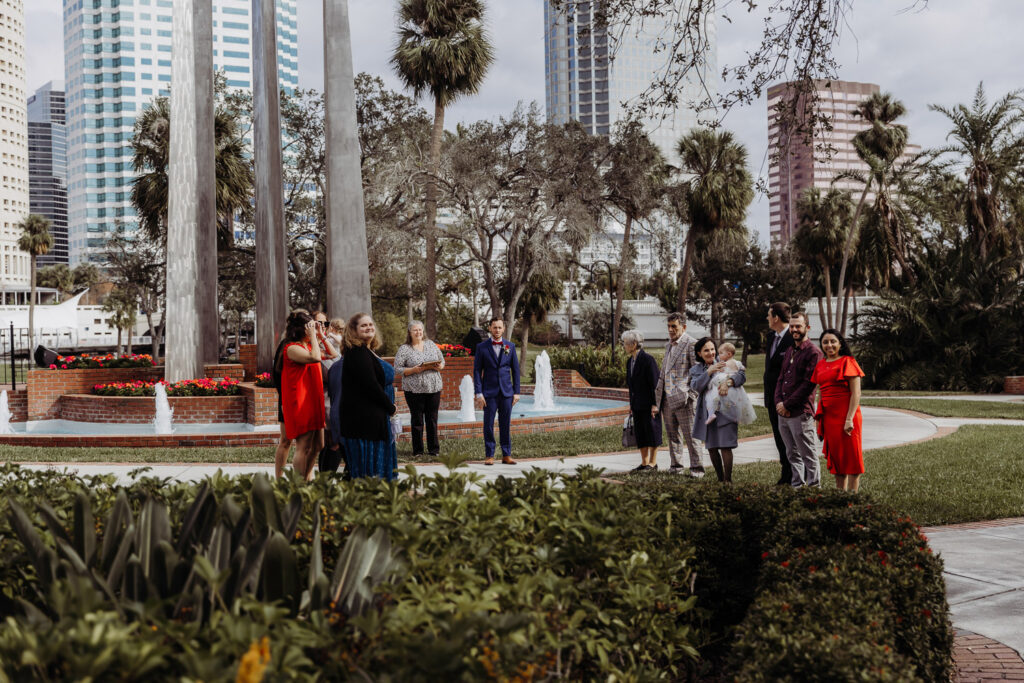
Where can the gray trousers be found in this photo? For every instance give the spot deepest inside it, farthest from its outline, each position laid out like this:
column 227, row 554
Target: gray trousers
column 801, row 438
column 679, row 424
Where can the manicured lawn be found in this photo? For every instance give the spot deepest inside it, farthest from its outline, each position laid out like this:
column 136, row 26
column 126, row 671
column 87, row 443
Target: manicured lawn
column 973, row 474
column 952, row 408
column 883, row 393
column 549, row 445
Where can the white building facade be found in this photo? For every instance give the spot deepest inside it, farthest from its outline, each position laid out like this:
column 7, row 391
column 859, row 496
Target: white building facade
column 117, row 58
column 14, row 190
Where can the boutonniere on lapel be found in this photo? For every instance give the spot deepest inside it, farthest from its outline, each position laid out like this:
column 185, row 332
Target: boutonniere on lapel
column 506, row 349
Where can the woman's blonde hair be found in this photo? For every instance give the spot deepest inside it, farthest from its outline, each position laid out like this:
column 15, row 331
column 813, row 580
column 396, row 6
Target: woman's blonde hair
column 338, row 325
column 351, row 339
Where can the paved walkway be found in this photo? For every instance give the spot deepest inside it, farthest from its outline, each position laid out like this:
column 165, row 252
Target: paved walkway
column 979, row 659
column 888, row 428
column 984, row 572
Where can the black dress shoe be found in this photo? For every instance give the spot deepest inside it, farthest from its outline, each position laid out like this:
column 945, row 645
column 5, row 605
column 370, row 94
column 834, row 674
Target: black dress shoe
column 639, row 468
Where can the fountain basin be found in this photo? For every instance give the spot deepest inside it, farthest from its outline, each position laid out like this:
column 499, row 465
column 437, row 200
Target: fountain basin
column 577, row 406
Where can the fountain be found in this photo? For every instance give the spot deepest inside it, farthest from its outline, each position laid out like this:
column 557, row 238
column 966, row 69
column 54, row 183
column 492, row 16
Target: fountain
column 544, row 387
column 5, row 414
column 467, row 412
column 164, row 414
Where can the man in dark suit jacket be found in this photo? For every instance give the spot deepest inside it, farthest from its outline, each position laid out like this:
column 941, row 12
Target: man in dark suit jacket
column 779, row 340
column 496, row 384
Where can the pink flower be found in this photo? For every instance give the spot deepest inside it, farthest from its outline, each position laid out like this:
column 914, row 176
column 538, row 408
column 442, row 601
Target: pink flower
column 64, row 366
column 52, row 366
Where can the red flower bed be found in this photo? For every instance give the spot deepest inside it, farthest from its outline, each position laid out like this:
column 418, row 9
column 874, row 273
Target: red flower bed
column 86, row 360
column 453, row 350
column 186, row 387
column 265, row 380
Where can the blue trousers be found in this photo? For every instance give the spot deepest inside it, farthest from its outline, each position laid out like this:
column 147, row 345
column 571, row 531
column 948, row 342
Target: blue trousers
column 502, row 406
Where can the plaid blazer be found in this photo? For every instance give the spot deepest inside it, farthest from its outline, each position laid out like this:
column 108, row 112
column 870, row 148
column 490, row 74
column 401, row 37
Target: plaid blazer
column 673, row 390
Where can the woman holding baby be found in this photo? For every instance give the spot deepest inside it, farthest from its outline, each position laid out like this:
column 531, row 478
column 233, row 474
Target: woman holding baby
column 713, row 378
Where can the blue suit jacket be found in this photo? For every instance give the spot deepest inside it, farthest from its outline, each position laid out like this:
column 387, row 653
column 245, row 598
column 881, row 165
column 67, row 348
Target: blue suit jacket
column 495, row 375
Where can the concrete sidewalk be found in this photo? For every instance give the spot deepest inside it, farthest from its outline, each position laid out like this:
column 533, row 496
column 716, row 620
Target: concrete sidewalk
column 984, row 572
column 887, row 428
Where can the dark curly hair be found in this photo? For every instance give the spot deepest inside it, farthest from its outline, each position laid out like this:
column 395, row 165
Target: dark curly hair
column 701, row 343
column 844, row 348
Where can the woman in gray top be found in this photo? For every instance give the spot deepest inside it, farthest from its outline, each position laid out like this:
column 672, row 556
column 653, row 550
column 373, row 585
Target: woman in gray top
column 419, row 362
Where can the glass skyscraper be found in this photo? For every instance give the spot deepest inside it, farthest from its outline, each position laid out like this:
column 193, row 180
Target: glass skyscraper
column 14, row 268
column 585, row 84
column 117, row 58
column 48, row 166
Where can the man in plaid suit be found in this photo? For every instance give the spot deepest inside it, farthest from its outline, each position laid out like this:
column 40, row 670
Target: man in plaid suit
column 672, row 397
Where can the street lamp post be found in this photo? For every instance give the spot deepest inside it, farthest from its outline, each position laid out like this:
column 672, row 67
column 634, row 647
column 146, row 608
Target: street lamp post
column 611, row 305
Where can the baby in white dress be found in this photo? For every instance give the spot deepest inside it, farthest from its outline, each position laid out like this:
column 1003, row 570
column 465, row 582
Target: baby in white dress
column 736, row 401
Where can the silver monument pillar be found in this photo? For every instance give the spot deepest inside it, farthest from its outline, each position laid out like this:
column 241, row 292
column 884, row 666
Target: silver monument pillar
column 185, row 180
column 348, row 276
column 271, row 276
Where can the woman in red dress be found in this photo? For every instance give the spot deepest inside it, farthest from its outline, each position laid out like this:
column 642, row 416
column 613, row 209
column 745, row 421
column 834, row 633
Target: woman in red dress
column 839, row 422
column 302, row 390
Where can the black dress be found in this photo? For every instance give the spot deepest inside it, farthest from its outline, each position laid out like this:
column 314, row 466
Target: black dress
column 642, row 379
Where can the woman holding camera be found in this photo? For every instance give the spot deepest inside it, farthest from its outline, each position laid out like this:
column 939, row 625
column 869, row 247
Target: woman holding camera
column 301, row 392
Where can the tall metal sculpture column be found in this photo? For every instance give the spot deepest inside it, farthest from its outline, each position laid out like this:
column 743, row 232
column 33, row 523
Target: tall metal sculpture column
column 271, row 276
column 206, row 186
column 190, row 130
column 348, row 275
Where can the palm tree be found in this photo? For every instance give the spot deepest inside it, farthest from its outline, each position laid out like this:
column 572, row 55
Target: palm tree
column 36, row 240
column 543, row 293
column 879, row 147
column 823, row 219
column 634, row 179
column 151, row 146
column 715, row 192
column 120, row 303
column 442, row 49
column 989, row 141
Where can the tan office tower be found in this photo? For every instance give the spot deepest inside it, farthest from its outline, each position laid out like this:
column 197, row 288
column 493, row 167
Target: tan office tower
column 14, row 193
column 798, row 163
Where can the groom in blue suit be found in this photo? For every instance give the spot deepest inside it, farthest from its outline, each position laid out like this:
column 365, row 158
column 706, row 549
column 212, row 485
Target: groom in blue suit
column 496, row 382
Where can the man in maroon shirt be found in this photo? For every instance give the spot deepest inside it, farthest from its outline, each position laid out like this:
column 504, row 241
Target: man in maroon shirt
column 794, row 402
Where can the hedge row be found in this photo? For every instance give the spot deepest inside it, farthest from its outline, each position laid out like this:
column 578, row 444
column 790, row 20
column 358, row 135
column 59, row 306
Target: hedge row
column 538, row 578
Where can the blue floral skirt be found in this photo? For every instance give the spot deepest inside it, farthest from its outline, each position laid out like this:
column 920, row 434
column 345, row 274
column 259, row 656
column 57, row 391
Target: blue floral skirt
column 367, row 458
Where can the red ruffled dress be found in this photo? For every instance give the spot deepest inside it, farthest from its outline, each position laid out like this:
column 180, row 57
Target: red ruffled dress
column 842, row 451
column 302, row 395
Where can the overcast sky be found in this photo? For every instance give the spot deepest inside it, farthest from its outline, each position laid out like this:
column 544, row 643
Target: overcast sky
column 938, row 54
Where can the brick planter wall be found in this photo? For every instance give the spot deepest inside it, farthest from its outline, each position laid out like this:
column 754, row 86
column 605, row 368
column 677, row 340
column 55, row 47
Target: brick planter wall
column 17, row 403
column 247, row 357
column 45, row 387
column 261, row 404
column 1013, row 385
column 233, row 371
column 142, row 409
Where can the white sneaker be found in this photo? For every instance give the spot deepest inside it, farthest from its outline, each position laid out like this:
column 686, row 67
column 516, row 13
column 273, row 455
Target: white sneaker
column 697, row 474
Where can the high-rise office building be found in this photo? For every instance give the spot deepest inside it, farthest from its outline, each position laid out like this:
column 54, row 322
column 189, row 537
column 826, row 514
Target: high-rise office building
column 584, row 83
column 798, row 161
column 14, row 268
column 117, row 58
column 48, row 166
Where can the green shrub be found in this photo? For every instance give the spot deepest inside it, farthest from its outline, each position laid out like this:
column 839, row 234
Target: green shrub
column 533, row 577
column 595, row 364
column 536, row 577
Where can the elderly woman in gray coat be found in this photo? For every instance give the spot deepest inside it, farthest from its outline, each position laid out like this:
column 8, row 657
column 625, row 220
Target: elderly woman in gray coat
column 721, row 436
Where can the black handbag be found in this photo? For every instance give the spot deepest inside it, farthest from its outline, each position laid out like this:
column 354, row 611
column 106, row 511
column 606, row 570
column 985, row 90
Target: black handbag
column 628, row 433
column 330, row 460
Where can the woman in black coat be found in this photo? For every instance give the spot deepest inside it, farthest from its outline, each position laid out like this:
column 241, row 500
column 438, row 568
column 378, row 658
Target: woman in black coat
column 642, row 379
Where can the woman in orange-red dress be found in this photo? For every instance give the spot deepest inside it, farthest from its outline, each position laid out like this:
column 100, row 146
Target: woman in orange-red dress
column 302, row 390
column 839, row 422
